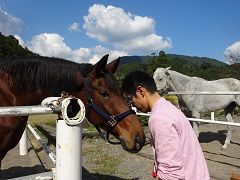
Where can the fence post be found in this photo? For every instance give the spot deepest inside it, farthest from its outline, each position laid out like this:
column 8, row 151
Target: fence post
column 23, row 144
column 69, row 143
column 68, row 151
column 212, row 116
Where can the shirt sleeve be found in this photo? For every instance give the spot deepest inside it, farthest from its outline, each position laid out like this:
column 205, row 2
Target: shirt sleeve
column 168, row 155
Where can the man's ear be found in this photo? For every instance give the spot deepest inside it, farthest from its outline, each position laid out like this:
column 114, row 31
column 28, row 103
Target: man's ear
column 141, row 90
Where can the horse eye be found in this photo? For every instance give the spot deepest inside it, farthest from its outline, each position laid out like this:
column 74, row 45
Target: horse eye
column 104, row 94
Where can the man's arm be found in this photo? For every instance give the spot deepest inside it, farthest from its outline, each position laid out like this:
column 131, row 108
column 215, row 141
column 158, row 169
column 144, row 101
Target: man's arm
column 168, row 155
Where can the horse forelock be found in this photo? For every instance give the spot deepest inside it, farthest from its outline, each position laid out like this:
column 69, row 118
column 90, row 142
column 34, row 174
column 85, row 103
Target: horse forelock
column 43, row 73
column 112, row 82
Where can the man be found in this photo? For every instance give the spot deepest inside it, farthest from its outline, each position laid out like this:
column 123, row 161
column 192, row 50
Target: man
column 177, row 152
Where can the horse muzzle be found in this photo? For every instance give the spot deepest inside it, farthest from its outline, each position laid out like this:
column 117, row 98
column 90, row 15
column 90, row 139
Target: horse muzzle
column 133, row 147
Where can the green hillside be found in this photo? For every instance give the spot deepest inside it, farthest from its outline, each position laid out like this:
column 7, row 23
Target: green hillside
column 204, row 67
column 9, row 48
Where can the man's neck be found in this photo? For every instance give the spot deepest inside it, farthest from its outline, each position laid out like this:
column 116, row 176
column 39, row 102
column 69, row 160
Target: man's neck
column 152, row 99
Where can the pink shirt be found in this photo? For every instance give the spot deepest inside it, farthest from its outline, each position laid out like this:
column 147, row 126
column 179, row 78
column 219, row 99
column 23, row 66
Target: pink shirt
column 177, row 152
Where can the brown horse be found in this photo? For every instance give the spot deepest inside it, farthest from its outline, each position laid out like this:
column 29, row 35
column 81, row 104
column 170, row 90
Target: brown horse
column 28, row 81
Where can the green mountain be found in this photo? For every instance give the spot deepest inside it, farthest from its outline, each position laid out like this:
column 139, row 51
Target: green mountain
column 204, row 67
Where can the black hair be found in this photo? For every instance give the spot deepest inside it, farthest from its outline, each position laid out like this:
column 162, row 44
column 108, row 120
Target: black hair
column 138, row 78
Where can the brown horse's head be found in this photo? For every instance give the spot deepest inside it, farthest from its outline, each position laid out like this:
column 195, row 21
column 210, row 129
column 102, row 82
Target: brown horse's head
column 107, row 107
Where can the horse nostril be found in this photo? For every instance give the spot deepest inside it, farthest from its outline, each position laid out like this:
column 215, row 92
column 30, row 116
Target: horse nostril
column 138, row 146
column 139, row 143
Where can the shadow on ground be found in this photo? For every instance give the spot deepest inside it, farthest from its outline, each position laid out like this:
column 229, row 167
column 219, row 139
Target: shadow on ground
column 19, row 171
column 206, row 137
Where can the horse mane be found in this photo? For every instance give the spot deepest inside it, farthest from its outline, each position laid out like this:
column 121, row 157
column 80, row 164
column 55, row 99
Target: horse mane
column 46, row 73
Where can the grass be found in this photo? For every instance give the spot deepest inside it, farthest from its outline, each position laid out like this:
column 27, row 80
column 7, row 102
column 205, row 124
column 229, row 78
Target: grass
column 101, row 161
column 91, row 128
column 49, row 119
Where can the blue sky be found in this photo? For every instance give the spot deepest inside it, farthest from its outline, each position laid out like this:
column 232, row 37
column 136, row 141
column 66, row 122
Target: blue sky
column 83, row 31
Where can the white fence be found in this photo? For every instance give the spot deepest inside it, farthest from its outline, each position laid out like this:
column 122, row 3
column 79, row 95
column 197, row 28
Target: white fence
column 212, row 120
column 69, row 132
column 201, row 120
column 205, row 92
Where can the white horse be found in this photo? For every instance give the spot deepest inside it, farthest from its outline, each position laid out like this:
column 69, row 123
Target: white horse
column 168, row 80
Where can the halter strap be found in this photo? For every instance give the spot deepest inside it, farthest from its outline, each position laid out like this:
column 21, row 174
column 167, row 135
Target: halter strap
column 111, row 120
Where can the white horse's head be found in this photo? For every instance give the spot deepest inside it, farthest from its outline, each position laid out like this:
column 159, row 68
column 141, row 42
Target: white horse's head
column 161, row 79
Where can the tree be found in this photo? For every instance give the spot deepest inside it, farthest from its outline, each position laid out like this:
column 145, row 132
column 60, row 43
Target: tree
column 153, row 54
column 9, row 47
column 162, row 54
column 153, row 64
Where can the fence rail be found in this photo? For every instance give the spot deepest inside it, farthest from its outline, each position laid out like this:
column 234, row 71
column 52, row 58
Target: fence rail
column 200, row 120
column 204, row 92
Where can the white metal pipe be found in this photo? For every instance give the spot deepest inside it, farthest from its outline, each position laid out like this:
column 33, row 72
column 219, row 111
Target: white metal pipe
column 205, row 92
column 26, row 110
column 212, row 116
column 23, row 144
column 44, row 145
column 215, row 122
column 68, row 151
column 200, row 120
column 143, row 114
column 34, row 132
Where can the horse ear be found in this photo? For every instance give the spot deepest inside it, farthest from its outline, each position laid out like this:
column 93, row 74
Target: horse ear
column 100, row 66
column 168, row 68
column 112, row 67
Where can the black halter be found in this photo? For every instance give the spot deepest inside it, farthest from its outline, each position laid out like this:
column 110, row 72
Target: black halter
column 111, row 121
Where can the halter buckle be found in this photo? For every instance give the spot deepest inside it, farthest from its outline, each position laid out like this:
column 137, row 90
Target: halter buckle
column 112, row 122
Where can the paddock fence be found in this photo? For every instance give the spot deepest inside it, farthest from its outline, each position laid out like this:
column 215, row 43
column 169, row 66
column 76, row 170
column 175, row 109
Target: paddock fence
column 69, row 134
column 212, row 120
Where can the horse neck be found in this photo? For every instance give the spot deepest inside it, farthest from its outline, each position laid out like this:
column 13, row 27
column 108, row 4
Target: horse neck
column 178, row 81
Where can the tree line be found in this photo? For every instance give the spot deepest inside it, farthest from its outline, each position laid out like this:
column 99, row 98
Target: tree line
column 209, row 69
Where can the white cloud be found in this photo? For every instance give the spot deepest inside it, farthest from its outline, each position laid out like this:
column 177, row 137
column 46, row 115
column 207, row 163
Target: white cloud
column 53, row 45
column 148, row 43
column 9, row 25
column 114, row 25
column 99, row 51
column 74, row 27
column 20, row 40
column 49, row 45
column 232, row 53
column 81, row 55
column 111, row 24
